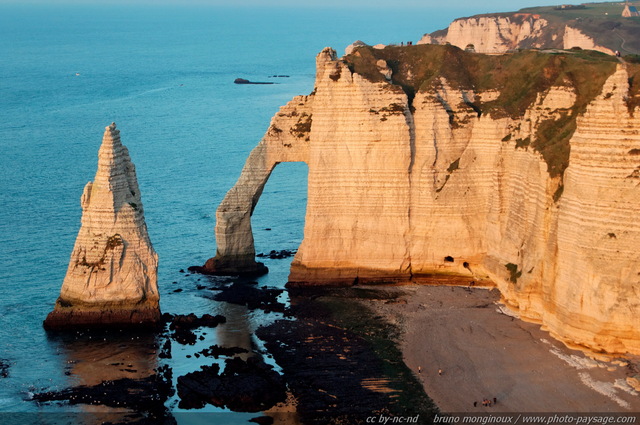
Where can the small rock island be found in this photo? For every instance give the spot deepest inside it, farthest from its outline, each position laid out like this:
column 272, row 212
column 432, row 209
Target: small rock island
column 112, row 274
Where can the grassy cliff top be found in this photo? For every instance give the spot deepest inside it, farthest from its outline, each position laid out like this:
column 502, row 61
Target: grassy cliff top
column 518, row 77
column 603, row 22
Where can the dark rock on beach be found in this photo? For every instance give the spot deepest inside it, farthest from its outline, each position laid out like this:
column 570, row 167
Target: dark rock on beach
column 145, row 396
column 183, row 326
column 244, row 386
column 242, row 293
column 340, row 363
column 217, row 351
column 326, row 376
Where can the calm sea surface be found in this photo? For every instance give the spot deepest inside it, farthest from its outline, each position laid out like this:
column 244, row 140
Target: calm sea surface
column 165, row 76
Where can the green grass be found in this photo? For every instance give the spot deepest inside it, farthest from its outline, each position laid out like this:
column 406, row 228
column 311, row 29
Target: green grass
column 601, row 21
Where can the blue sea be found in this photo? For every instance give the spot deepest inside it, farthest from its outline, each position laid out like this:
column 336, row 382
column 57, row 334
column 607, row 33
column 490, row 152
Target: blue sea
column 165, row 76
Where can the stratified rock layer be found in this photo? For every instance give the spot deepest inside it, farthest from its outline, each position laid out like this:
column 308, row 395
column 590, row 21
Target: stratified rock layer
column 500, row 34
column 112, row 274
column 287, row 140
column 442, row 179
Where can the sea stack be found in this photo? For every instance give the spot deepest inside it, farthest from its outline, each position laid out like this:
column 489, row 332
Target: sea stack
column 112, row 274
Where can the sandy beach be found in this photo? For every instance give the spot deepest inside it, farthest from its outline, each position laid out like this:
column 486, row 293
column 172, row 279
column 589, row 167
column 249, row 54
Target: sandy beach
column 469, row 350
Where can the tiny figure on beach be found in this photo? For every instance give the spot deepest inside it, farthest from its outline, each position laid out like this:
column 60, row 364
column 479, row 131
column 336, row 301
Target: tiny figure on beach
column 439, row 371
column 495, row 400
column 475, row 403
column 419, row 369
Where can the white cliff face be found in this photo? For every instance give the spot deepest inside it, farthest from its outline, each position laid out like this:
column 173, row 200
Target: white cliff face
column 287, row 140
column 431, row 190
column 360, row 133
column 112, row 274
column 497, row 34
column 494, row 34
column 575, row 38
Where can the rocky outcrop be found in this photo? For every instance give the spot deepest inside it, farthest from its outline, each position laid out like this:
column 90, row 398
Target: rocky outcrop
column 112, row 274
column 438, row 174
column 499, row 34
column 287, row 140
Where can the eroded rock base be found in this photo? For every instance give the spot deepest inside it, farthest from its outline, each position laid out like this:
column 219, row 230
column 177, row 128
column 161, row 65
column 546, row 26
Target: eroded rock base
column 226, row 267
column 62, row 319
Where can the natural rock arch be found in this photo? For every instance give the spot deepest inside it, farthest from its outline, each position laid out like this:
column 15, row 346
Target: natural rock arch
column 286, row 140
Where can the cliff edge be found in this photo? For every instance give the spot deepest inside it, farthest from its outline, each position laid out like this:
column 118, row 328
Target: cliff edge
column 435, row 165
column 112, row 274
column 593, row 26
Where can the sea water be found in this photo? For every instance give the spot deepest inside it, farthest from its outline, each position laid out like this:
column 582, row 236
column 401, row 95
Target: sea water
column 165, row 76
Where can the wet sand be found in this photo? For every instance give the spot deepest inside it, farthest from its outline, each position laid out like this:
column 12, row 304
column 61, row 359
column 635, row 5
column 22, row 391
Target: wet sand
column 469, row 350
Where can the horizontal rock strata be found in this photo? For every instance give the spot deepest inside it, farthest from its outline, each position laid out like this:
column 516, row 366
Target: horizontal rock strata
column 112, row 274
column 287, row 140
column 500, row 34
column 450, row 172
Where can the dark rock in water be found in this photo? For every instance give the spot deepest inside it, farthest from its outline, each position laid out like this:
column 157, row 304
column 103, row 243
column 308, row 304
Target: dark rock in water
column 334, row 372
column 217, row 267
column 4, row 368
column 177, row 290
column 183, row 326
column 278, row 255
column 191, row 321
column 252, row 297
column 262, row 420
column 217, row 351
column 165, row 353
column 325, row 376
column 243, row 81
column 146, row 396
column 244, row 386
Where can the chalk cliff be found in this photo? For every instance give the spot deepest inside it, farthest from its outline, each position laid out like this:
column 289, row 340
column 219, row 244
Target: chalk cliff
column 520, row 171
column 287, row 140
column 112, row 274
column 500, row 34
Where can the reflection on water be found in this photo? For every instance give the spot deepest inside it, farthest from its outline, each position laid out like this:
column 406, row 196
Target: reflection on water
column 236, row 332
column 91, row 358
column 95, row 357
